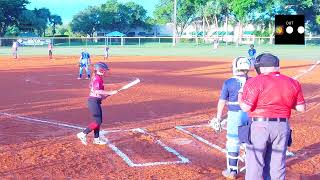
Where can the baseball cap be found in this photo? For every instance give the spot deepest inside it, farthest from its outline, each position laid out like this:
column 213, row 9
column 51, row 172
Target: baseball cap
column 268, row 60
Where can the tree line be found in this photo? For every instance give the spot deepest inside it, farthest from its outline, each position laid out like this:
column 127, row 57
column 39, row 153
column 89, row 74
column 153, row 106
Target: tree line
column 110, row 16
column 216, row 13
column 15, row 18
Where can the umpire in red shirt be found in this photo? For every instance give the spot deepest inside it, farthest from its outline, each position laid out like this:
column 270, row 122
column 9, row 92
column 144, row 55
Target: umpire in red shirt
column 269, row 98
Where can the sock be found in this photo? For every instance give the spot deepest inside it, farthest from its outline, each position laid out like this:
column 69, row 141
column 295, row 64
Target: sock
column 87, row 131
column 233, row 162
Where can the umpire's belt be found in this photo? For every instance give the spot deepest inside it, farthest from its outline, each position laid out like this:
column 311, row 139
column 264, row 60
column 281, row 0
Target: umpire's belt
column 269, row 119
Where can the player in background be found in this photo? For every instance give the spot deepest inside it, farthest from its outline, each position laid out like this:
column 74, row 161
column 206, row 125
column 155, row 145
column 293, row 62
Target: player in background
column 252, row 54
column 106, row 52
column 236, row 117
column 84, row 63
column 215, row 43
column 15, row 49
column 50, row 48
column 96, row 96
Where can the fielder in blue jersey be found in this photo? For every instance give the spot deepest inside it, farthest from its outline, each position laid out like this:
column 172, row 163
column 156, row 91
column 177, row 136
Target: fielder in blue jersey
column 236, row 117
column 252, row 54
column 84, row 63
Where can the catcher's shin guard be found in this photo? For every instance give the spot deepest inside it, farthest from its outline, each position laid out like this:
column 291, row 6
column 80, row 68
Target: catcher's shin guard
column 233, row 161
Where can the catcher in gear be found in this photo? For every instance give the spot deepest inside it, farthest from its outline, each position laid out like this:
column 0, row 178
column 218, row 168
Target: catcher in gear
column 236, row 117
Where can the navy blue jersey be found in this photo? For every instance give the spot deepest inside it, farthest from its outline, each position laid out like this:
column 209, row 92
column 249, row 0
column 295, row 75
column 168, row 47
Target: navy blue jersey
column 252, row 52
column 85, row 55
column 229, row 93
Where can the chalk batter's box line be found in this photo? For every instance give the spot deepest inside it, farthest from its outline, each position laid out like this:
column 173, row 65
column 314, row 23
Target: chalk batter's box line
column 124, row 157
column 130, row 163
column 201, row 139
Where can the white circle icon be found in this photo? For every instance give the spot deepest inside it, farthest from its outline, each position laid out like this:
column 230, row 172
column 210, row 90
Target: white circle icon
column 300, row 29
column 289, row 30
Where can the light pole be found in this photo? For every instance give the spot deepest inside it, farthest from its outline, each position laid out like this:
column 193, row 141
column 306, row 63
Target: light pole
column 174, row 23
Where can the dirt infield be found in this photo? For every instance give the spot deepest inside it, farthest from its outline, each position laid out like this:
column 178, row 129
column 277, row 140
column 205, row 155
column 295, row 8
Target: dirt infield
column 43, row 106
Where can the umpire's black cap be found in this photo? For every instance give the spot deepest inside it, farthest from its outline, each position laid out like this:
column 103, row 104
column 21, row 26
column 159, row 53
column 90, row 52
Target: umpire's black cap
column 268, row 60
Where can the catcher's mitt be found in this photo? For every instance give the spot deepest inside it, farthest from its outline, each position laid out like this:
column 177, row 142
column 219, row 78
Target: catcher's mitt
column 215, row 123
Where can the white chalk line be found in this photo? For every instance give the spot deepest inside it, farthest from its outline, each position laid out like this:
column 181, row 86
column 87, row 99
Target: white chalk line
column 44, row 121
column 215, row 146
column 309, row 109
column 183, row 160
column 212, row 145
column 311, row 97
column 312, row 107
column 307, row 71
column 53, row 75
column 199, row 138
column 113, row 147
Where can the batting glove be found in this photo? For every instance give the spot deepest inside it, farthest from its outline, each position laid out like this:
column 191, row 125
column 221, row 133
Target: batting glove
column 216, row 124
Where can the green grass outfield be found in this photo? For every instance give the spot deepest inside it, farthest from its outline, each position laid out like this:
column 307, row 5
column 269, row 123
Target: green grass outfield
column 288, row 52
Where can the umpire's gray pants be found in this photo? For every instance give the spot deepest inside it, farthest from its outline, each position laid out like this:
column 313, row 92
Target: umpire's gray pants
column 266, row 156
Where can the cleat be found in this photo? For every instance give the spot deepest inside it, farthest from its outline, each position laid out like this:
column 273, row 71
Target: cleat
column 99, row 141
column 229, row 174
column 79, row 77
column 83, row 138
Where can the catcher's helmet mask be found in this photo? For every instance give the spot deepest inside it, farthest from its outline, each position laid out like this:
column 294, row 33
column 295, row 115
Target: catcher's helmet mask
column 243, row 66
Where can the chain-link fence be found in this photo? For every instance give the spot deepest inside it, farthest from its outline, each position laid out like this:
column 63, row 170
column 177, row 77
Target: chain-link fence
column 148, row 41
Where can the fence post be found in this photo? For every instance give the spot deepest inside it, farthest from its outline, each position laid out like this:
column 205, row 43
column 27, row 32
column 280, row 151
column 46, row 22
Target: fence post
column 139, row 42
column 305, row 42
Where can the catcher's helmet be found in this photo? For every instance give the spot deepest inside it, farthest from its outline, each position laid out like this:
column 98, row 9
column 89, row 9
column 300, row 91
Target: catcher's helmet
column 101, row 66
column 240, row 64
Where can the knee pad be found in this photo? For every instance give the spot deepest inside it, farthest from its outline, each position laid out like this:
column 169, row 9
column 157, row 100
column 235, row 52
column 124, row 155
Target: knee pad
column 233, row 144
